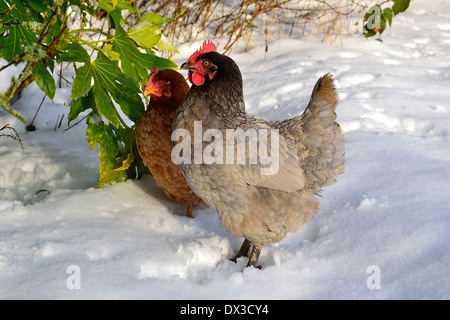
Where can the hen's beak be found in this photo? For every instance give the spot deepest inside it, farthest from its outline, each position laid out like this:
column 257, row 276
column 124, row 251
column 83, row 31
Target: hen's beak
column 187, row 66
column 148, row 91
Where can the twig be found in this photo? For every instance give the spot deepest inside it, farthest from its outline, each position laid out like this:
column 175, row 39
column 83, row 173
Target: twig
column 14, row 137
column 63, row 78
column 15, row 61
column 78, row 122
column 39, row 108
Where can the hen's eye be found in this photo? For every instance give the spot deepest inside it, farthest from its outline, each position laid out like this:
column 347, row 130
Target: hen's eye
column 206, row 63
column 160, row 83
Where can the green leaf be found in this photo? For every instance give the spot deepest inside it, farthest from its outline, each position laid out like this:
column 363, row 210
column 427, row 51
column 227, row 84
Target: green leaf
column 109, row 79
column 27, row 37
column 94, row 131
column 38, row 5
column 146, row 36
column 104, row 103
column 164, row 44
column 80, row 105
column 108, row 152
column 152, row 18
column 150, row 61
column 128, row 53
column 44, row 79
column 107, row 5
column 110, row 176
column 126, row 5
column 3, row 6
column 16, row 13
column 400, row 6
column 82, row 82
column 11, row 45
column 111, row 54
column 387, row 14
column 74, row 53
column 369, row 32
column 109, row 148
column 115, row 17
column 146, row 33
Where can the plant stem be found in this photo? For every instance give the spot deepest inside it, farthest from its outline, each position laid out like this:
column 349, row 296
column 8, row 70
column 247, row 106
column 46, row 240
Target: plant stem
column 90, row 30
column 88, row 43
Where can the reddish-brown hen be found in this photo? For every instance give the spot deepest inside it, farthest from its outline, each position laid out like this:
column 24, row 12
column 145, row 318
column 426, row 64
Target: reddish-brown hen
column 153, row 135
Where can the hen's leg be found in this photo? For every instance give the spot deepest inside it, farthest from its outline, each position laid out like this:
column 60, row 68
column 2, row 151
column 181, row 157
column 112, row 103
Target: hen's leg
column 188, row 213
column 243, row 251
column 253, row 260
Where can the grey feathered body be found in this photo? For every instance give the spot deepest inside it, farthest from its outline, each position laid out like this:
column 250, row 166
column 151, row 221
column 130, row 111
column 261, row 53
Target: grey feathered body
column 263, row 208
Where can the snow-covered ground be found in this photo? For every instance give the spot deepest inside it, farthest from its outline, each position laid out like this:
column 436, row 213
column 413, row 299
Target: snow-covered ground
column 382, row 232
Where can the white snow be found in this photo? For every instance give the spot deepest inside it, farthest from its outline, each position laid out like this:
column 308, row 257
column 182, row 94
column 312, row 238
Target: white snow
column 382, row 231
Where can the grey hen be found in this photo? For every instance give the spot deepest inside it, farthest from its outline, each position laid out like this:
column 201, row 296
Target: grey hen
column 256, row 200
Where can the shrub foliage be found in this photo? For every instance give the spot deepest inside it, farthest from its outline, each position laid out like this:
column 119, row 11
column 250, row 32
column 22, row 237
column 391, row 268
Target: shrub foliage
column 110, row 71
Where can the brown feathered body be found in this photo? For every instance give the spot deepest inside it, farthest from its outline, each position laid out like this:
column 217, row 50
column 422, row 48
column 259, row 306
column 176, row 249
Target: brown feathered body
column 261, row 208
column 153, row 137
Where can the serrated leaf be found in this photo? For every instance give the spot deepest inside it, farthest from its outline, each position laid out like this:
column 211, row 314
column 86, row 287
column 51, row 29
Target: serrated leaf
column 111, row 54
column 11, row 45
column 134, row 63
column 128, row 51
column 152, row 18
column 104, row 103
column 27, row 37
column 164, row 44
column 145, row 34
column 400, row 6
column 80, row 105
column 50, row 63
column 44, row 79
column 109, row 149
column 110, row 80
column 94, row 131
column 17, row 12
column 74, row 53
column 76, row 107
column 82, row 82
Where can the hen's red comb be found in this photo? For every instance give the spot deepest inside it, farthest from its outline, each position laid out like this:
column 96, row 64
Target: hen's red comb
column 208, row 46
column 154, row 73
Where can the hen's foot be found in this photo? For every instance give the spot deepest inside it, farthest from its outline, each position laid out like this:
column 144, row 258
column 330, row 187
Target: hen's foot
column 243, row 251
